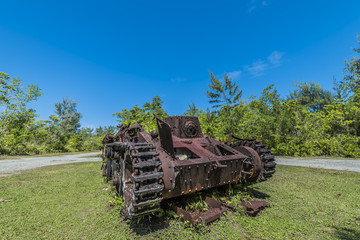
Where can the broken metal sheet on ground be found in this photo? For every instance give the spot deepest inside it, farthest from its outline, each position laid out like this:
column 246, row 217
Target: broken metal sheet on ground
column 216, row 209
column 252, row 208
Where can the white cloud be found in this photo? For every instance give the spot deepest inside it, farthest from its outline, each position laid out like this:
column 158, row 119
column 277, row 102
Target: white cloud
column 257, row 68
column 260, row 66
column 253, row 4
column 275, row 57
column 252, row 8
column 234, row 74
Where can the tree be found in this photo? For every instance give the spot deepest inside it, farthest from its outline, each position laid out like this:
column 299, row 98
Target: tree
column 145, row 115
column 352, row 72
column 351, row 81
column 66, row 117
column 224, row 96
column 223, row 93
column 64, row 124
column 14, row 96
column 5, row 87
column 192, row 110
column 310, row 94
column 16, row 119
column 341, row 91
column 155, row 107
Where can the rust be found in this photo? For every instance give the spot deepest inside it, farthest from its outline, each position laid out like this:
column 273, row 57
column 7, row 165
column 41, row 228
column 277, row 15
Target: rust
column 216, row 209
column 211, row 215
column 178, row 159
column 252, row 208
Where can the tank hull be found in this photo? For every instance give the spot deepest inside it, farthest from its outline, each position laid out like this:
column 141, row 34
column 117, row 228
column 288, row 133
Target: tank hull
column 176, row 160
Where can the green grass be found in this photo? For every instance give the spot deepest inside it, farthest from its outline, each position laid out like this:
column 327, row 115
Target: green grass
column 70, row 201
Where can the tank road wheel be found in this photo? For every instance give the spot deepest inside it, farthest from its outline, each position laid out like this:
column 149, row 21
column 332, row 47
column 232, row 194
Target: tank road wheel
column 142, row 183
column 114, row 168
column 108, row 170
column 117, row 178
column 103, row 169
column 107, row 166
column 128, row 186
column 262, row 159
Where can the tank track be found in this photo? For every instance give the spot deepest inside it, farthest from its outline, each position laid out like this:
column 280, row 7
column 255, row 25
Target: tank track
column 265, row 154
column 142, row 180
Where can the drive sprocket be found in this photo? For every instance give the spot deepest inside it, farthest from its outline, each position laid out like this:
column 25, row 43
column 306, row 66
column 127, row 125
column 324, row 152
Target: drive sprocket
column 267, row 163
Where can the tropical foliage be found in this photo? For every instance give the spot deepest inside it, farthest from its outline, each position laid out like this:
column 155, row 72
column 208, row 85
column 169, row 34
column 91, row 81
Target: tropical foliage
column 22, row 133
column 310, row 121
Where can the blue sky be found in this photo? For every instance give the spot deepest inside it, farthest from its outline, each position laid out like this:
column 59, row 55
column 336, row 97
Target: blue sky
column 111, row 55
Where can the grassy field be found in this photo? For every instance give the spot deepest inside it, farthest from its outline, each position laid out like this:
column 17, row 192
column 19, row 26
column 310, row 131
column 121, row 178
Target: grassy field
column 72, row 202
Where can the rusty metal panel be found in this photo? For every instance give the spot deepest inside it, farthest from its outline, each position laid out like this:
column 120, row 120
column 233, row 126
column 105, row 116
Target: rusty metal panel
column 185, row 126
column 165, row 137
column 252, row 208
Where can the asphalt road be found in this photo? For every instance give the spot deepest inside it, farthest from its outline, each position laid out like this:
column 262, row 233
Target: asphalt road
column 337, row 164
column 12, row 166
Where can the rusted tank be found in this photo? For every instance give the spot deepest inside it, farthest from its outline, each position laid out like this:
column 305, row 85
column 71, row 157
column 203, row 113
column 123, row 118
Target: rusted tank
column 178, row 159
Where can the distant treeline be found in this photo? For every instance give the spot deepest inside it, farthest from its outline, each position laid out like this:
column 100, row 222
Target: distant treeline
column 22, row 133
column 310, row 121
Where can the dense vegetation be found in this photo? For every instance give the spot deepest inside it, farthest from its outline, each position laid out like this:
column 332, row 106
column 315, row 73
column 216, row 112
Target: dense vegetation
column 22, row 133
column 310, row 121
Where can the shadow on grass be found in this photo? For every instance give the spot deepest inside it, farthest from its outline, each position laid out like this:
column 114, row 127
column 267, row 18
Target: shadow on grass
column 148, row 225
column 257, row 194
column 347, row 233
